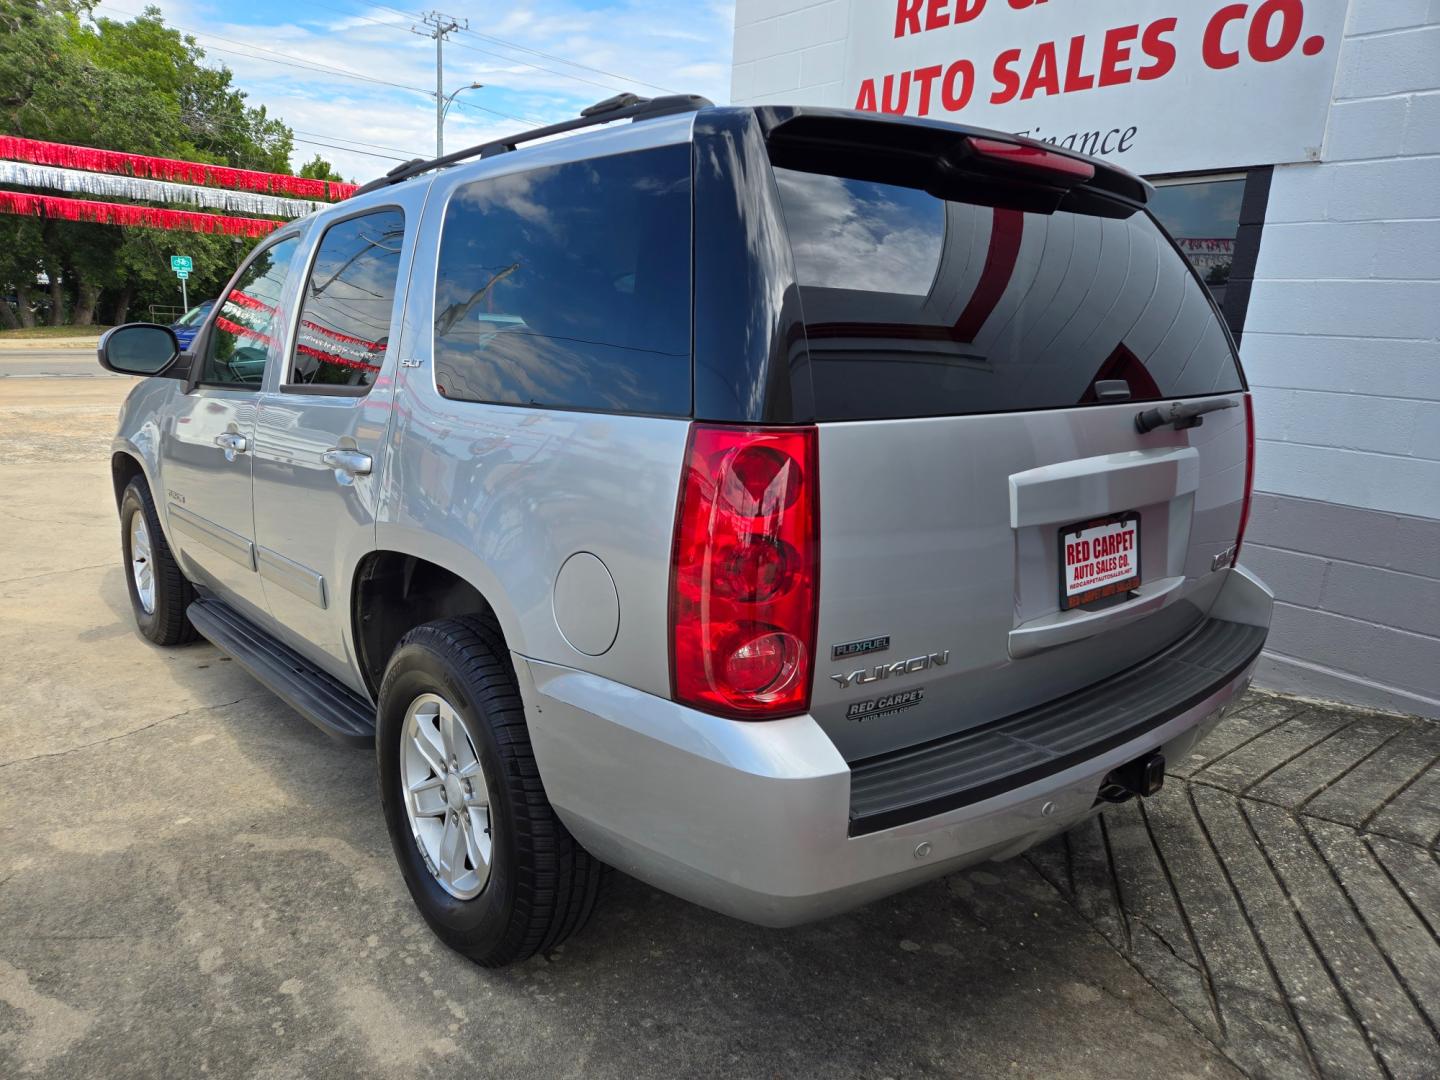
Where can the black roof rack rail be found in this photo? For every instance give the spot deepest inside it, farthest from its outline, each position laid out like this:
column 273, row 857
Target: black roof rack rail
column 619, row 107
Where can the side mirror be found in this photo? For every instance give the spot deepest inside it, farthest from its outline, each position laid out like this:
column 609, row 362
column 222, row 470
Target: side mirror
column 140, row 349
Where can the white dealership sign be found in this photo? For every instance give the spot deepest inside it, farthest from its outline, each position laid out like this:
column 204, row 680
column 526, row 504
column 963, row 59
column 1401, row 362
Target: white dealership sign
column 1153, row 85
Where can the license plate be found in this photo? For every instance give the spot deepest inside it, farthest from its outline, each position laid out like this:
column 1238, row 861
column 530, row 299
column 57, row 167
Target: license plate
column 1099, row 558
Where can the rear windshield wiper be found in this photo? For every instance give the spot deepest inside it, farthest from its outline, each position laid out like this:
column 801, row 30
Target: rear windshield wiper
column 1182, row 416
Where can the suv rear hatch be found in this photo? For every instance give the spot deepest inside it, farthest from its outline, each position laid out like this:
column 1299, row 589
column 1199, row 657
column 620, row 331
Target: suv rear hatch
column 985, row 320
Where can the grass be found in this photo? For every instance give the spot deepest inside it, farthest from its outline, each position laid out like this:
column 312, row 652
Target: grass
column 37, row 333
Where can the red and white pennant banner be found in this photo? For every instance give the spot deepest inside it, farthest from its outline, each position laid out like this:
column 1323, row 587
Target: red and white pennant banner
column 153, row 217
column 131, row 187
column 89, row 159
column 321, row 342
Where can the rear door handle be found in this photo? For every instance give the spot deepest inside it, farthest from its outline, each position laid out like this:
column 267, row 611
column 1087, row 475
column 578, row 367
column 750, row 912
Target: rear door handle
column 232, row 444
column 350, row 462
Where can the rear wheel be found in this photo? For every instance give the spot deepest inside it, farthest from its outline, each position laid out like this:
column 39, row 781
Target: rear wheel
column 492, row 869
column 159, row 593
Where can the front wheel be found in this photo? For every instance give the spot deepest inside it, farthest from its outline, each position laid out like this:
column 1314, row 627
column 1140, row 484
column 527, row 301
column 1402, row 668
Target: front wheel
column 492, row 869
column 159, row 592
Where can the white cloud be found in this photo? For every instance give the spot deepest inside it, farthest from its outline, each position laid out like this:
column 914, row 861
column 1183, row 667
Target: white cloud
column 848, row 235
column 683, row 47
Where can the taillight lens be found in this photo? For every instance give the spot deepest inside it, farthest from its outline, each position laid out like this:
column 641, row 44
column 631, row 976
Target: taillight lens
column 745, row 571
column 1249, row 477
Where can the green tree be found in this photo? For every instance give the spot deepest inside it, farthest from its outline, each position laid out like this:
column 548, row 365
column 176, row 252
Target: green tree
column 69, row 76
column 144, row 266
column 317, row 168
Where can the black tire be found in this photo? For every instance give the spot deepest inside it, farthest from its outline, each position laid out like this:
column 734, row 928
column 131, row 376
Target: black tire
column 167, row 624
column 543, row 885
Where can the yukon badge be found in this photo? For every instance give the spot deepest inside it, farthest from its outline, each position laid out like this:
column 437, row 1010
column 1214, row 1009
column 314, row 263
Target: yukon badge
column 864, row 677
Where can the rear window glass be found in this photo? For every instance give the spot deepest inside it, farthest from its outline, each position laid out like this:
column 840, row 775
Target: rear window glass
column 918, row 306
column 569, row 287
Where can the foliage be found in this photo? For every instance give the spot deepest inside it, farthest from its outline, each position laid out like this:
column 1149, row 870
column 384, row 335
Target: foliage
column 69, row 74
column 317, row 168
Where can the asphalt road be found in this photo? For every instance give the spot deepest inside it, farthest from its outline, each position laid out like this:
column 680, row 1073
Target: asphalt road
column 193, row 880
column 33, row 362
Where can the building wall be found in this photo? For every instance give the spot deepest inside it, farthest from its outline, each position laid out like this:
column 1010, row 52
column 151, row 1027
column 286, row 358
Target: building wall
column 1342, row 349
column 790, row 51
column 1341, row 345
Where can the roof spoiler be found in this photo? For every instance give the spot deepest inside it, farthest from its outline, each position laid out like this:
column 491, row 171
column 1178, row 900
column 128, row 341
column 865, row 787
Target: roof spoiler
column 950, row 161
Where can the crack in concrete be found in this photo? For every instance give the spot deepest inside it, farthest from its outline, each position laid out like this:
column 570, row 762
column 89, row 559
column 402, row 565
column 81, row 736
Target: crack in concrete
column 52, row 573
column 122, row 735
column 1169, row 946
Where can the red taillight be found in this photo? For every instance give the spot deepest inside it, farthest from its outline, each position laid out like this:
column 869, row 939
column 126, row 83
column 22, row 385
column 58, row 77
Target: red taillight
column 745, row 571
column 1249, row 476
column 1033, row 158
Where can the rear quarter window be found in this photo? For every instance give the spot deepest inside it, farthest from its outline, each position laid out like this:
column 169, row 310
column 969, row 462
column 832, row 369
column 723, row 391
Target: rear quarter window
column 919, row 306
column 569, row 287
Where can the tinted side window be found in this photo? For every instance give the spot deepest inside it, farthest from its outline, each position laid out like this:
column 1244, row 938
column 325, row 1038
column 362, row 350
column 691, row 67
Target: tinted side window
column 569, row 287
column 917, row 306
column 240, row 339
column 348, row 301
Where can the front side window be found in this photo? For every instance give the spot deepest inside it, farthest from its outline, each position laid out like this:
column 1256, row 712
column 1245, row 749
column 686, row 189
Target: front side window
column 348, row 302
column 569, row 287
column 249, row 316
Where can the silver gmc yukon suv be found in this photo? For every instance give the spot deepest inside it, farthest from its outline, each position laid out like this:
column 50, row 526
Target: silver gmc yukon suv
column 784, row 506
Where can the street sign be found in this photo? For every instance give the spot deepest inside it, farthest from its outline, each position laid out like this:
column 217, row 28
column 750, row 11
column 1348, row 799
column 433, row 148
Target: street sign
column 181, row 264
column 182, row 274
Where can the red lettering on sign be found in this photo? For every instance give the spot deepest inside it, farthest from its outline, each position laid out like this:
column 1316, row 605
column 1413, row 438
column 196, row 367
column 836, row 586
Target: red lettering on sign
column 907, row 17
column 956, row 97
column 892, row 102
column 1075, row 79
column 924, row 79
column 1006, row 77
column 1116, row 54
column 1158, row 49
column 1213, row 49
column 866, row 101
column 1293, row 17
column 1044, row 74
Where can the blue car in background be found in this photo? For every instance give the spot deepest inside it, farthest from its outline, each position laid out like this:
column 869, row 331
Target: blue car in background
column 188, row 325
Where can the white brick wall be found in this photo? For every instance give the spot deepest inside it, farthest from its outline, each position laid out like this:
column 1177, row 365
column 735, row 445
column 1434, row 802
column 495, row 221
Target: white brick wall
column 1342, row 347
column 790, row 51
column 1342, row 339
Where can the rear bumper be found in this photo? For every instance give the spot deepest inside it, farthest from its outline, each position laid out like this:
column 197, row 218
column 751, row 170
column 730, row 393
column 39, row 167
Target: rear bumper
column 755, row 819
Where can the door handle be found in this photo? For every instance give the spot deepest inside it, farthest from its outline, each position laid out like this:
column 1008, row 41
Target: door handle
column 232, row 444
column 350, row 462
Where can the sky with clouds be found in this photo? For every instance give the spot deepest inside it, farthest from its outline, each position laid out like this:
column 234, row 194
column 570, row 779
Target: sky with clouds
column 357, row 85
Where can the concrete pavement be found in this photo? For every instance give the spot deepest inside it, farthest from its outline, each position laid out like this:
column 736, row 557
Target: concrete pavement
column 46, row 358
column 192, row 879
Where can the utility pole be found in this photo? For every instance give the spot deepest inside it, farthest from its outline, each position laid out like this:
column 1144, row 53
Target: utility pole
column 441, row 26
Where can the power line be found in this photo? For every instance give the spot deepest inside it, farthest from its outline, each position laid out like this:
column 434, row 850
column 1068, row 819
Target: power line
column 349, row 149
column 506, row 43
column 357, row 142
column 481, row 108
column 573, row 63
column 308, row 65
column 297, row 61
column 538, row 67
